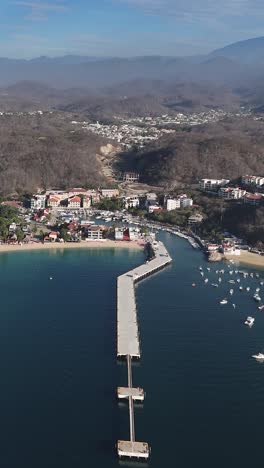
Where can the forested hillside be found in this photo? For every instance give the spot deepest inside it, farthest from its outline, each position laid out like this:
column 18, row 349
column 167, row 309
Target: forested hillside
column 226, row 149
column 45, row 151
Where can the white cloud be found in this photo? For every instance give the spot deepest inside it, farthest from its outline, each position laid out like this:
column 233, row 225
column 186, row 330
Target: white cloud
column 200, row 10
column 38, row 11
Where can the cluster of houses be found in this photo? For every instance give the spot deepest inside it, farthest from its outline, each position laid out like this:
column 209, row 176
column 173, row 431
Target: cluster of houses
column 221, row 187
column 75, row 198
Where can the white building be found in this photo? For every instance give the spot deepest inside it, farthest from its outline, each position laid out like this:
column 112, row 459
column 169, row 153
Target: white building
column 110, row 193
column 95, row 233
column 38, row 202
column 87, row 202
column 130, row 177
column 54, row 202
column 212, row 184
column 131, row 202
column 186, row 202
column 74, row 202
column 230, row 193
column 255, row 181
column 173, row 204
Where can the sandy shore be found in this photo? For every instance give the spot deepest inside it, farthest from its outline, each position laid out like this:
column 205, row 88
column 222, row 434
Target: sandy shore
column 247, row 258
column 71, row 245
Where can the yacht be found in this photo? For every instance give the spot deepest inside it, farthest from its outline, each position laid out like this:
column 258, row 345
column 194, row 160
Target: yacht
column 231, row 291
column 224, row 301
column 261, row 307
column 250, row 321
column 258, row 357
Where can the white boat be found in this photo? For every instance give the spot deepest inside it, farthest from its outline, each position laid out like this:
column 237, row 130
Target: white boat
column 224, row 301
column 201, row 268
column 240, row 288
column 206, row 280
column 231, row 291
column 261, row 283
column 257, row 289
column 234, row 306
column 248, row 288
column 202, row 273
column 257, row 298
column 219, row 279
column 215, row 285
column 261, row 307
column 238, row 280
column 232, row 282
column 250, row 321
column 208, row 268
column 258, row 357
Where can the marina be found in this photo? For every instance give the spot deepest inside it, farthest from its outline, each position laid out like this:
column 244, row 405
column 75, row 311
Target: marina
column 128, row 341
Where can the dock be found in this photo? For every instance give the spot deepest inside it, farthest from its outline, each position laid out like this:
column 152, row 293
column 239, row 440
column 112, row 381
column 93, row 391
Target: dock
column 128, row 342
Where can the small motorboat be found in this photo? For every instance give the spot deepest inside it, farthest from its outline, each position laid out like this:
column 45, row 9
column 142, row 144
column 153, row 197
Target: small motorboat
column 224, row 301
column 234, row 306
column 247, row 288
column 219, row 279
column 232, row 282
column 231, row 291
column 215, row 285
column 258, row 357
column 250, row 321
column 261, row 307
column 240, row 288
column 206, row 280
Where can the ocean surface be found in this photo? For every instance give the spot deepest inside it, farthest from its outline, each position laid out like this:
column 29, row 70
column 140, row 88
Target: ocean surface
column 204, row 402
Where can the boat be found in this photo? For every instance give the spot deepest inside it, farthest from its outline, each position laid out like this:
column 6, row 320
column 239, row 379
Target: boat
column 250, row 321
column 261, row 307
column 208, row 268
column 258, row 357
column 261, row 283
column 201, row 268
column 257, row 290
column 248, row 288
column 193, row 285
column 238, row 280
column 219, row 279
column 257, row 298
column 206, row 280
column 231, row 281
column 240, row 288
column 224, row 301
column 231, row 291
column 234, row 306
column 202, row 273
column 215, row 285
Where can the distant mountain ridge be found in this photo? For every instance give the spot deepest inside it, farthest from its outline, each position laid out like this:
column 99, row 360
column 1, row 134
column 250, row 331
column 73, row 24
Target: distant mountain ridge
column 232, row 64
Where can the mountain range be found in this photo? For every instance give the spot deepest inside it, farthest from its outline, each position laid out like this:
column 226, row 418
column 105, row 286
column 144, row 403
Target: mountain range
column 236, row 64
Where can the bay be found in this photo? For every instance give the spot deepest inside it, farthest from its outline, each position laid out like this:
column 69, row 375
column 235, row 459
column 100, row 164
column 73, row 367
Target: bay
column 204, row 393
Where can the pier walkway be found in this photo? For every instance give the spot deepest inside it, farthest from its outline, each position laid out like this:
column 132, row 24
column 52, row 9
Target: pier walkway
column 128, row 342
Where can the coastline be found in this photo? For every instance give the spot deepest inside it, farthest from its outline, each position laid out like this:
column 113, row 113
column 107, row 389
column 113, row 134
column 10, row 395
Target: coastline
column 247, row 258
column 5, row 248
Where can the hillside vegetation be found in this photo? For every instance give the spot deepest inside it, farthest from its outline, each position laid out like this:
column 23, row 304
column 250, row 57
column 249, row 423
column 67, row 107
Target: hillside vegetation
column 227, row 149
column 41, row 151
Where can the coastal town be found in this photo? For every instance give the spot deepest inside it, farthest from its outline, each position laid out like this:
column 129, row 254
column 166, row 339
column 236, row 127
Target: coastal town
column 111, row 214
column 139, row 131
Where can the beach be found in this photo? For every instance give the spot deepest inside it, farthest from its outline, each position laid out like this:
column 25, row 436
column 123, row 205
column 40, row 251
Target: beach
column 248, row 258
column 71, row 245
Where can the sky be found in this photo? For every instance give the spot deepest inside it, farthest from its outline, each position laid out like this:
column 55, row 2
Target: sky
column 125, row 28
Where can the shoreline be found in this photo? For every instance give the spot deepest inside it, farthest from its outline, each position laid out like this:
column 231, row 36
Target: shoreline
column 7, row 248
column 247, row 258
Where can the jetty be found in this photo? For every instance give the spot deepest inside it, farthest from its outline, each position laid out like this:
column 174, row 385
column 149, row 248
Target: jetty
column 128, row 341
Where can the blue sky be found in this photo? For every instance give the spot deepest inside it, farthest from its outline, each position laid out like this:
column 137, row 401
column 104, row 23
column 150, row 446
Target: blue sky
column 125, row 27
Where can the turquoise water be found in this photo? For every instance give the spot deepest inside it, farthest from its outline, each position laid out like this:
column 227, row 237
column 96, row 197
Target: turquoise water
column 204, row 394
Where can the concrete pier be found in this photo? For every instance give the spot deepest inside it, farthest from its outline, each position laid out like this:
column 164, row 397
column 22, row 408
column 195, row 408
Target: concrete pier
column 128, row 343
